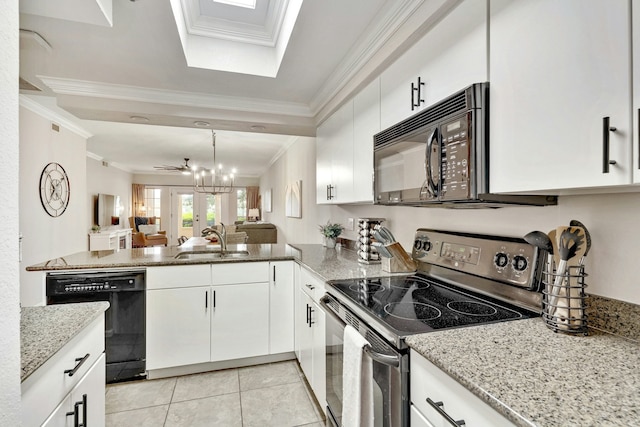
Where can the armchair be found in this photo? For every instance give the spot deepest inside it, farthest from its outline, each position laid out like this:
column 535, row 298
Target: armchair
column 141, row 239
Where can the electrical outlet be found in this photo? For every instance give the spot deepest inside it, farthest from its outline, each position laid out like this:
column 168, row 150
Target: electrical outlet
column 350, row 225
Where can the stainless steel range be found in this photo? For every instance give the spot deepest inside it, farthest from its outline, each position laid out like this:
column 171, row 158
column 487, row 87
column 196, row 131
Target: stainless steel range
column 462, row 280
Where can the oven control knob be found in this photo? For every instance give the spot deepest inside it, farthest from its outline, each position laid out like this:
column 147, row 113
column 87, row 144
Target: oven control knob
column 501, row 260
column 519, row 263
column 417, row 244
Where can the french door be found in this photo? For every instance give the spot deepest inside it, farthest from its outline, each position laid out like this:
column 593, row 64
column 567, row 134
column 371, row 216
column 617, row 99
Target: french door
column 191, row 213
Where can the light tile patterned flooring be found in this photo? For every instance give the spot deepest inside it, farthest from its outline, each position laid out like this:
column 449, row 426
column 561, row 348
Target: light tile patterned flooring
column 273, row 394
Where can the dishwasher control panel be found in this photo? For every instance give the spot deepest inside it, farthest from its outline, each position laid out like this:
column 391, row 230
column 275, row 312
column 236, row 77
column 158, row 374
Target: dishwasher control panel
column 75, row 283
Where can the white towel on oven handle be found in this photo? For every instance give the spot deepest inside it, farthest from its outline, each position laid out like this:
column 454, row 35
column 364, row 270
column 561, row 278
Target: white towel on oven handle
column 357, row 381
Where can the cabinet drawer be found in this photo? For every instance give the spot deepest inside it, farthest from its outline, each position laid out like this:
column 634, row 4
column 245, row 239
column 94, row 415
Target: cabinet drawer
column 234, row 273
column 43, row 390
column 428, row 381
column 311, row 285
column 178, row 276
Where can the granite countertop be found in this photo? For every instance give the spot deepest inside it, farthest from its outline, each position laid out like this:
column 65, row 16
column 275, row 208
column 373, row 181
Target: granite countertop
column 330, row 264
column 46, row 329
column 536, row 377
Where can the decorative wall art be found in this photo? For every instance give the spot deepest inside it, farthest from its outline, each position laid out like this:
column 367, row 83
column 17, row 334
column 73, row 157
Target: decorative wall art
column 266, row 201
column 293, row 200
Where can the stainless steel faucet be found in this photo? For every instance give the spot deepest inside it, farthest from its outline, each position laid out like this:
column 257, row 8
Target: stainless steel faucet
column 222, row 237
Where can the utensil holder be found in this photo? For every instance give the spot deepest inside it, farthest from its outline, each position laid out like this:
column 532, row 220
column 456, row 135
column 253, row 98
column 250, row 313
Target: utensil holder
column 400, row 262
column 564, row 305
column 367, row 254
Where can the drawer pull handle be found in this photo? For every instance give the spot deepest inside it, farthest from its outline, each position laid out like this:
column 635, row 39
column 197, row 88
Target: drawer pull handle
column 310, row 286
column 80, row 361
column 438, row 407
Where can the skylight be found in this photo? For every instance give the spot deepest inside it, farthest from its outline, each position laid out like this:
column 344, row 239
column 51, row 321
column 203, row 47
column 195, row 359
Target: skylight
column 249, row 4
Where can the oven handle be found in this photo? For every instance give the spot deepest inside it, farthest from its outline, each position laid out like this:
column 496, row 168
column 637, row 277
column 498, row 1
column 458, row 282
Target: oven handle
column 393, row 361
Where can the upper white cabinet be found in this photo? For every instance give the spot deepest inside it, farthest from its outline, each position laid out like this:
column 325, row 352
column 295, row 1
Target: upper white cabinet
column 344, row 150
column 450, row 57
column 558, row 72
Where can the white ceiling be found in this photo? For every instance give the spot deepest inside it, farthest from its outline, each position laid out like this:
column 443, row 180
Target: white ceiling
column 99, row 77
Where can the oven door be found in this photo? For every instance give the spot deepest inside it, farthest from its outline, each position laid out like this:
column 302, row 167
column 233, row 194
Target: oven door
column 390, row 373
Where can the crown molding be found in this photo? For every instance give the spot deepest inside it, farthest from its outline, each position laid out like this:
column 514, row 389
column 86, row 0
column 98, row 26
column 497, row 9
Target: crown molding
column 85, row 88
column 39, row 109
column 98, row 158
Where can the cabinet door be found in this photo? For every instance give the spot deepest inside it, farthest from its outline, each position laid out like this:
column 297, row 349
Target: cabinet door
column 305, row 336
column 324, row 136
column 319, row 381
column 178, row 326
column 366, row 123
column 281, row 307
column 557, row 69
column 239, row 321
column 450, row 57
column 92, row 385
column 342, row 155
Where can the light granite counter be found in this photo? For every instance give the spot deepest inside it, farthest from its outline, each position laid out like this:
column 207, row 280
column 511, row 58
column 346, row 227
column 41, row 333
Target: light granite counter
column 330, row 264
column 46, row 329
column 536, row 377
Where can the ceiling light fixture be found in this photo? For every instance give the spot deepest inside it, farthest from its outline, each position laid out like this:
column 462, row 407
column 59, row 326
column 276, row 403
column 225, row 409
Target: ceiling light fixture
column 216, row 180
column 139, row 119
column 202, row 124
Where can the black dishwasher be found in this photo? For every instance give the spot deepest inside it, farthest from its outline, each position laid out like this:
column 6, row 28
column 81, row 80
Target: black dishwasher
column 125, row 348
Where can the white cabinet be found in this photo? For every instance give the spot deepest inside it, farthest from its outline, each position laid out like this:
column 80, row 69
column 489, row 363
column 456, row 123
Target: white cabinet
column 281, row 306
column 557, row 70
column 85, row 403
column 110, row 240
column 430, row 384
column 344, row 150
column 178, row 326
column 73, row 372
column 450, row 57
column 635, row 43
column 366, row 123
column 334, row 157
column 207, row 313
column 240, row 321
column 310, row 333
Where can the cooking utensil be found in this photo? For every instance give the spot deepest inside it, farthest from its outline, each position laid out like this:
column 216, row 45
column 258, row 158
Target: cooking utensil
column 384, row 231
column 381, row 249
column 380, row 238
column 543, row 242
column 587, row 235
column 571, row 243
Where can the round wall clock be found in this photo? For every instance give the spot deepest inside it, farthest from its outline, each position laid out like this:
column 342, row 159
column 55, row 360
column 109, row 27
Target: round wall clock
column 54, row 189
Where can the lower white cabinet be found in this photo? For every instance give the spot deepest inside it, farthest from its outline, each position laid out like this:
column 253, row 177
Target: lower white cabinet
column 281, row 306
column 69, row 384
column 217, row 312
column 85, row 405
column 310, row 334
column 431, row 388
column 239, row 321
column 178, row 327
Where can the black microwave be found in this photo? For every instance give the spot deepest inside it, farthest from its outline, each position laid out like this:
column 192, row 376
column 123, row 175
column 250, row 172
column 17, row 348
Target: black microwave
column 440, row 156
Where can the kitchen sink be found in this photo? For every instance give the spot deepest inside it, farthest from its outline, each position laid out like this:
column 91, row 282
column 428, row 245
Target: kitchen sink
column 216, row 254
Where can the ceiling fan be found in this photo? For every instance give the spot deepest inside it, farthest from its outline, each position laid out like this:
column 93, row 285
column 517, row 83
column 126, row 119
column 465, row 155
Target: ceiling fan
column 185, row 169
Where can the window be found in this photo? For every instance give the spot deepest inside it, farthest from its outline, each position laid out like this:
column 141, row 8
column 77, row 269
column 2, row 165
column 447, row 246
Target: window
column 242, row 204
column 211, row 210
column 249, row 4
column 152, row 202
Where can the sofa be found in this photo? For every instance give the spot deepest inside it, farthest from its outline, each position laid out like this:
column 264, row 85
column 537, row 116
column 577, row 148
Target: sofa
column 145, row 232
column 259, row 232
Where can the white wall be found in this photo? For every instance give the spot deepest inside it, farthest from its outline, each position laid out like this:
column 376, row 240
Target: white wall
column 611, row 219
column 297, row 163
column 45, row 237
column 10, row 278
column 108, row 180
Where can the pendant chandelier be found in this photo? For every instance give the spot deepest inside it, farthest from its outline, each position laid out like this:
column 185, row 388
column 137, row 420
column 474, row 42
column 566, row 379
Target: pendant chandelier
column 213, row 181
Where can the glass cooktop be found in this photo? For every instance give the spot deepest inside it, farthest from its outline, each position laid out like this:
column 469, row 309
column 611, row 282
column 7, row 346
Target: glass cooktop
column 417, row 304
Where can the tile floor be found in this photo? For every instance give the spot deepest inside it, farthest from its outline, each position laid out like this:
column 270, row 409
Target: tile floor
column 273, row 394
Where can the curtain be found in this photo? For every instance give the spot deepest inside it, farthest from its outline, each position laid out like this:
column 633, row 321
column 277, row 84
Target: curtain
column 137, row 200
column 253, row 198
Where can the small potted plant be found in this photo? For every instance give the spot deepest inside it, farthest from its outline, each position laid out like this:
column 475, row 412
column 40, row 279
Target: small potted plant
column 95, row 229
column 330, row 233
